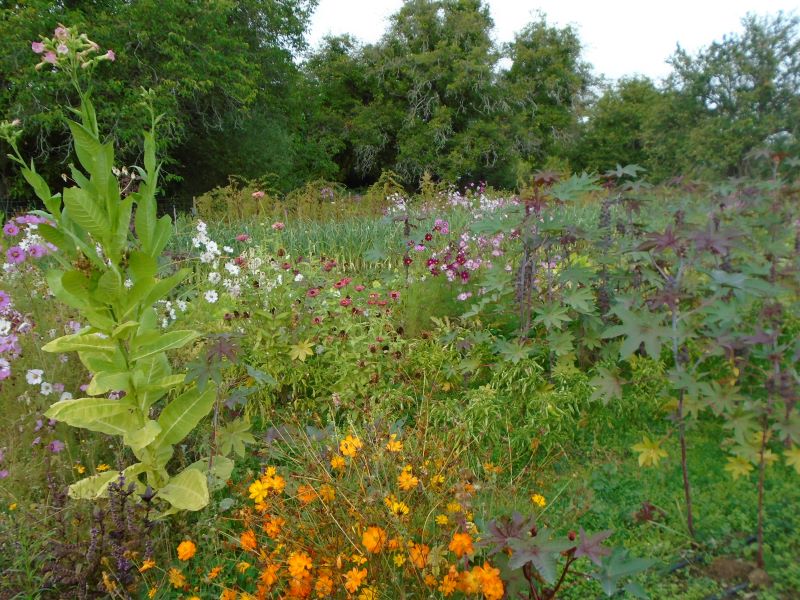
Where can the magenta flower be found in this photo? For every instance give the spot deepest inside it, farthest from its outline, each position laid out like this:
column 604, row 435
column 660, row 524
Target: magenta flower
column 5, row 301
column 242, row 237
column 10, row 229
column 15, row 255
column 278, row 226
column 360, row 288
column 56, row 446
column 3, row 473
column 394, row 295
column 51, row 58
column 346, row 301
column 37, row 251
column 37, row 47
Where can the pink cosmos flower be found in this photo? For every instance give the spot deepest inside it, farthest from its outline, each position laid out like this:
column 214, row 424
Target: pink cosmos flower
column 5, row 301
column 242, row 237
column 360, row 288
column 394, row 295
column 345, row 301
column 37, row 47
column 56, row 446
column 36, row 251
column 15, row 255
column 278, row 226
column 10, row 229
column 257, row 195
column 5, row 369
column 313, row 292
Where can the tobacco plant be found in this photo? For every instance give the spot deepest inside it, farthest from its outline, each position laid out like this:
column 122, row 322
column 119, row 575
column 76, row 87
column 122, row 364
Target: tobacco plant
column 109, row 271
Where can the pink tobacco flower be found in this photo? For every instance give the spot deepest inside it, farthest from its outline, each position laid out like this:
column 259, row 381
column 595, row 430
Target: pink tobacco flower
column 51, row 58
column 257, row 195
column 37, row 47
column 111, row 55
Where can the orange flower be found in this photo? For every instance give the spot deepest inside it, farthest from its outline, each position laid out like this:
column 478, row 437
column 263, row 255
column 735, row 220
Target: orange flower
column 373, row 539
column 228, row 595
column 461, row 544
column 449, row 582
column 394, row 445
column 490, row 582
column 300, row 588
column 350, row 445
column 213, row 573
column 147, row 565
column 470, row 583
column 269, row 575
column 324, row 587
column 299, row 564
column 337, row 462
column 272, row 526
column 248, row 540
column 176, row 578
column 419, row 554
column 406, row 480
column 327, row 493
column 354, row 578
column 186, row 550
column 306, row 494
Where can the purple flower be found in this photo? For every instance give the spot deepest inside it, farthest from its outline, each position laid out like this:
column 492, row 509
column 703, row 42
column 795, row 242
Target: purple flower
column 56, row 446
column 5, row 301
column 111, row 55
column 15, row 255
column 36, row 441
column 10, row 229
column 9, row 344
column 5, row 370
column 37, row 47
column 51, row 58
column 3, row 473
column 39, row 425
column 36, row 251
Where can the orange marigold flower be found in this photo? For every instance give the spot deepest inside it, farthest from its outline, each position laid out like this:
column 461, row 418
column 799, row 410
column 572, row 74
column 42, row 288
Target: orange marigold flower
column 228, row 595
column 300, row 588
column 327, row 492
column 299, row 564
column 269, row 575
column 272, row 526
column 469, row 582
column 461, row 544
column 350, row 445
column 419, row 554
column 394, row 543
column 324, row 586
column 406, row 480
column 186, row 550
column 374, row 539
column 248, row 540
column 430, row 580
column 394, row 445
column 337, row 462
column 449, row 582
column 147, row 565
column 354, row 578
column 490, row 582
column 213, row 573
column 176, row 578
column 306, row 494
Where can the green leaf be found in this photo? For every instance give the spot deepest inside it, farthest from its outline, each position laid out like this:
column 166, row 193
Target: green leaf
column 220, row 472
column 107, row 381
column 183, row 414
column 164, row 342
column 84, row 210
column 608, row 385
column 94, row 342
column 140, row 438
column 233, row 437
column 90, row 488
column 638, row 329
column 82, row 412
column 552, row 315
column 186, row 491
column 581, row 299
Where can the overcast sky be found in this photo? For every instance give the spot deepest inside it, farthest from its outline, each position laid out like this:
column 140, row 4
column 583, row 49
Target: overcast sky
column 620, row 37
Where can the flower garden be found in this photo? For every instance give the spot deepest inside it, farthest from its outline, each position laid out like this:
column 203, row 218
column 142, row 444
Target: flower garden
column 585, row 389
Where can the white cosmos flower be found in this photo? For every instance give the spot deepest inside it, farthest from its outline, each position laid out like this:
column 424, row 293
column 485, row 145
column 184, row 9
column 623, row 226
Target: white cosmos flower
column 46, row 389
column 232, row 268
column 211, row 296
column 298, row 277
column 34, row 376
column 66, row 396
column 214, row 277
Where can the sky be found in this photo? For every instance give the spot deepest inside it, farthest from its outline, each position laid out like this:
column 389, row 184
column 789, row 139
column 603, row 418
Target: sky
column 620, row 37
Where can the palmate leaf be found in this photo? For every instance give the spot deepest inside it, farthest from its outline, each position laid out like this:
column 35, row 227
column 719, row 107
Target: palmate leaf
column 592, row 546
column 234, row 435
column 552, row 315
column 639, row 329
column 512, row 351
column 581, row 299
column 618, row 567
column 608, row 385
column 540, row 551
column 301, row 350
